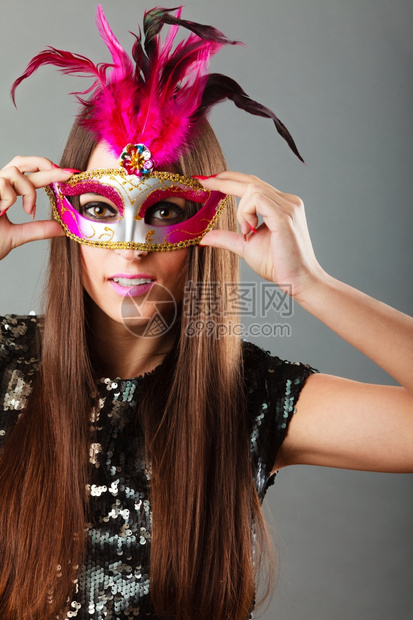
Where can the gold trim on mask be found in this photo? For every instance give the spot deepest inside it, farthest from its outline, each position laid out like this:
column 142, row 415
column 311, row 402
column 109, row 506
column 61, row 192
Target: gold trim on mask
column 121, row 172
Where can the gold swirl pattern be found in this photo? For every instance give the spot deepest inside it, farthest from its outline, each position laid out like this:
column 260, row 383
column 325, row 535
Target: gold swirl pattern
column 109, row 233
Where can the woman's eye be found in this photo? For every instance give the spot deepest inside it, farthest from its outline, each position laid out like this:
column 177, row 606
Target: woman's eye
column 99, row 211
column 165, row 214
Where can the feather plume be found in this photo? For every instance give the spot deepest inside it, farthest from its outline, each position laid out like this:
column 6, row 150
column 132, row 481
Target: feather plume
column 68, row 63
column 161, row 95
column 220, row 87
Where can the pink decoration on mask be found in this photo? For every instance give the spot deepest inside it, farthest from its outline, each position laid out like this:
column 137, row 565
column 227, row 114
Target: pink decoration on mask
column 89, row 187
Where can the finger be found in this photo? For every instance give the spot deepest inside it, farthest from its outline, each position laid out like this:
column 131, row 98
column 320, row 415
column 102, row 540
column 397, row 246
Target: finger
column 36, row 164
column 234, row 183
column 225, row 240
column 34, row 231
column 31, row 164
column 256, row 197
column 7, row 195
column 251, row 191
column 233, row 175
column 14, row 183
column 247, row 215
column 45, row 177
column 232, row 187
column 271, row 210
column 247, row 183
column 259, row 201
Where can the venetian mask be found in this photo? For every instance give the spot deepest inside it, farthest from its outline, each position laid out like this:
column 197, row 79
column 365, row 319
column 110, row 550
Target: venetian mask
column 110, row 208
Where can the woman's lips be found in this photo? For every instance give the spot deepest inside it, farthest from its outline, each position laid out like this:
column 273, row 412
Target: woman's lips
column 132, row 285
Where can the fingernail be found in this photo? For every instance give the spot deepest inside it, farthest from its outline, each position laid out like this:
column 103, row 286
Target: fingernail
column 200, row 177
column 55, row 166
column 254, row 230
column 72, row 170
column 3, row 212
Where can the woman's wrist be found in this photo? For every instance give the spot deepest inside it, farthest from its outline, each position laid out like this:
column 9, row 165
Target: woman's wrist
column 306, row 290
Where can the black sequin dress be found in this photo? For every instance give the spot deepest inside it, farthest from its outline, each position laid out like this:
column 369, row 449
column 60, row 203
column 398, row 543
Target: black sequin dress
column 114, row 581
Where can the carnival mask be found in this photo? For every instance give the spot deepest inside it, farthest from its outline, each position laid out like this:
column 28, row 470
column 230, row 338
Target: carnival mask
column 114, row 209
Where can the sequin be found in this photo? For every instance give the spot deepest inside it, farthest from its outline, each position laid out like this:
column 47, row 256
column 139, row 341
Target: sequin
column 113, row 582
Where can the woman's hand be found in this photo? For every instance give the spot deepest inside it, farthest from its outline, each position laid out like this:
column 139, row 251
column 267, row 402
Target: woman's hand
column 280, row 250
column 14, row 182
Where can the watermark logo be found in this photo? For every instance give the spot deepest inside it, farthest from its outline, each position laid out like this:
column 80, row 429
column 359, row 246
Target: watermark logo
column 150, row 315
column 217, row 330
column 246, row 299
column 276, row 299
column 208, row 308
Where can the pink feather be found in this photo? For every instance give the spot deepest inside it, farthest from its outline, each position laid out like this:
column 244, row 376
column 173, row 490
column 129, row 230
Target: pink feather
column 122, row 64
column 67, row 63
column 161, row 96
column 155, row 111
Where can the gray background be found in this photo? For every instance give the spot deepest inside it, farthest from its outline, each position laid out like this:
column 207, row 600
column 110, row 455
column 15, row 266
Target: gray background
column 338, row 73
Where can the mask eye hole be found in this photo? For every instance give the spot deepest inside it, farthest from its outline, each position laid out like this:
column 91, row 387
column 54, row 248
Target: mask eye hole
column 167, row 213
column 97, row 209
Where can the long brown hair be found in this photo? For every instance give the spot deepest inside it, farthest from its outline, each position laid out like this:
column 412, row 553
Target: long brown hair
column 196, row 437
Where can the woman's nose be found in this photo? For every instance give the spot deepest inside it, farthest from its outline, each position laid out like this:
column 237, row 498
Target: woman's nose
column 130, row 255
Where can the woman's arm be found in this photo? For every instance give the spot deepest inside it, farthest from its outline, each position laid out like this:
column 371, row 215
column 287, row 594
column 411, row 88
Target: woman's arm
column 351, row 425
column 382, row 333
column 338, row 423
column 342, row 423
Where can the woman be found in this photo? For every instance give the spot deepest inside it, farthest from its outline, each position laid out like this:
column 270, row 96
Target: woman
column 209, row 511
